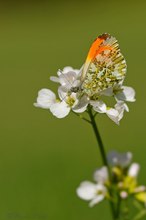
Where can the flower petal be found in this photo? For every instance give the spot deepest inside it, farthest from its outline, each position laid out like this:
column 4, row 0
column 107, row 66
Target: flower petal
column 113, row 115
column 139, row 189
column 101, row 175
column 96, row 200
column 70, row 69
column 54, row 79
column 100, row 194
column 86, row 190
column 134, row 170
column 60, row 109
column 121, row 107
column 119, row 159
column 127, row 94
column 67, row 79
column 62, row 92
column 45, row 98
column 81, row 105
column 67, row 69
column 98, row 106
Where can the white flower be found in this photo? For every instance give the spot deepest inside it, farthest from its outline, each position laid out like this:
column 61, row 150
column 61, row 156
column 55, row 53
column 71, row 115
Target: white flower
column 47, row 99
column 72, row 101
column 119, row 159
column 69, row 100
column 120, row 92
column 101, row 175
column 125, row 93
column 60, row 108
column 115, row 114
column 72, row 96
column 68, row 77
column 89, row 191
column 134, row 170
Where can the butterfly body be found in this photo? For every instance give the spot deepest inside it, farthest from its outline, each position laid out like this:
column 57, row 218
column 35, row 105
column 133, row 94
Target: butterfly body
column 75, row 89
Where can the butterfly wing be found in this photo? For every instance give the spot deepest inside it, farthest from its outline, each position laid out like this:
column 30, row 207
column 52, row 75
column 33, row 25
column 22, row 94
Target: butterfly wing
column 104, row 67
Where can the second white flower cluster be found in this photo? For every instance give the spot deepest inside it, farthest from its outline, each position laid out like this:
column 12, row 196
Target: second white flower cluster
column 123, row 178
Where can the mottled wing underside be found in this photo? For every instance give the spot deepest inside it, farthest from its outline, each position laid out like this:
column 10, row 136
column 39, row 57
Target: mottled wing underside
column 104, row 67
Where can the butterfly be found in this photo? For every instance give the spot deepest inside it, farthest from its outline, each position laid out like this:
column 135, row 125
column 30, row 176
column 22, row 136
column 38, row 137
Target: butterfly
column 104, row 67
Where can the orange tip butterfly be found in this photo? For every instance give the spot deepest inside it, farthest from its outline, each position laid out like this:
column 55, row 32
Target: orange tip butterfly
column 104, row 67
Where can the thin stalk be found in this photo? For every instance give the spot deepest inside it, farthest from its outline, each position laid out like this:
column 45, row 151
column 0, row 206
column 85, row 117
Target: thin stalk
column 85, row 119
column 118, row 207
column 103, row 155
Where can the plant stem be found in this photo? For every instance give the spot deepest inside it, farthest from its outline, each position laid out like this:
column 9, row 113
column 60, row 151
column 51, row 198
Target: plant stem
column 103, row 155
column 85, row 119
column 118, row 207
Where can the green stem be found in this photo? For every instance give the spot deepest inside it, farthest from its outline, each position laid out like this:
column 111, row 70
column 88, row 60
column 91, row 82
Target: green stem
column 85, row 119
column 118, row 207
column 103, row 155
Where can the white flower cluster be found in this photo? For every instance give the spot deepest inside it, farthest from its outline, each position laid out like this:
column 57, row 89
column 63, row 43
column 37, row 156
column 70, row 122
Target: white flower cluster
column 73, row 96
column 124, row 180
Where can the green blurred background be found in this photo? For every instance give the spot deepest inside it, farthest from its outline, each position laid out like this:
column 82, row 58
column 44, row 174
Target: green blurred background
column 43, row 159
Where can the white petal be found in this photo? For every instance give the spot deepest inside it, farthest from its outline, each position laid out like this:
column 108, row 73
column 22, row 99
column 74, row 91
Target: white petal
column 140, row 189
column 59, row 72
column 121, row 107
column 126, row 107
column 134, row 170
column 101, row 175
column 100, row 194
column 96, row 200
column 80, row 109
column 45, row 98
column 98, row 106
column 113, row 115
column 54, row 79
column 81, row 105
column 62, row 92
column 86, row 190
column 67, row 69
column 127, row 94
column 68, row 79
column 70, row 69
column 119, row 159
column 60, row 109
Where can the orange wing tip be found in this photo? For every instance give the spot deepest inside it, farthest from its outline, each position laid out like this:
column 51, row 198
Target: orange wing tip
column 94, row 49
column 104, row 36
